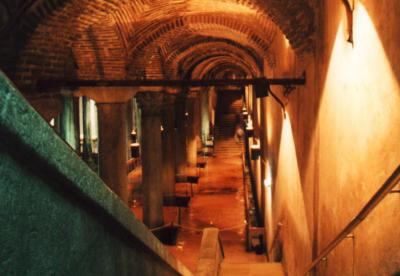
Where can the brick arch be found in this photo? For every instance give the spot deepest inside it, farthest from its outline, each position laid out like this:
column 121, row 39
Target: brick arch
column 184, row 58
column 296, row 18
column 140, row 59
column 211, row 60
column 211, row 25
column 51, row 27
column 259, row 32
column 201, row 69
column 193, row 59
column 100, row 53
column 220, row 71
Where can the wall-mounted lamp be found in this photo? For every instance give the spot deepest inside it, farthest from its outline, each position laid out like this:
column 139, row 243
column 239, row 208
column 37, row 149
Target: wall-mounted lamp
column 255, row 151
column 249, row 128
column 135, row 150
column 268, row 182
column 349, row 5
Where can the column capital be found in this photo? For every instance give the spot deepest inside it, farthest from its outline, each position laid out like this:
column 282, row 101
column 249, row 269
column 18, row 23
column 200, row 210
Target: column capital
column 169, row 101
column 173, row 90
column 193, row 92
column 66, row 92
column 150, row 103
column 181, row 97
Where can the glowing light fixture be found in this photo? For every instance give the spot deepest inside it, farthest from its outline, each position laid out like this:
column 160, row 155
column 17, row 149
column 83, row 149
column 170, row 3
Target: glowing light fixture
column 249, row 128
column 268, row 182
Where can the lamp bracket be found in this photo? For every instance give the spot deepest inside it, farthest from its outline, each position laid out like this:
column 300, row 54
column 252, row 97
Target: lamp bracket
column 288, row 89
column 349, row 5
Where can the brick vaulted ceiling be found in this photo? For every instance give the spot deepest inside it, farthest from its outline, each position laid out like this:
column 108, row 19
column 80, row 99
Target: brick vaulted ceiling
column 128, row 39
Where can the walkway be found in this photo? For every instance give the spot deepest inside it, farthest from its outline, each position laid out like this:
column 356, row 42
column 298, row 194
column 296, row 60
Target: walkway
column 218, row 202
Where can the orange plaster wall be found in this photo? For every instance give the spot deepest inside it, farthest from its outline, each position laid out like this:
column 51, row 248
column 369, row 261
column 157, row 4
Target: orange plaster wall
column 339, row 143
column 359, row 121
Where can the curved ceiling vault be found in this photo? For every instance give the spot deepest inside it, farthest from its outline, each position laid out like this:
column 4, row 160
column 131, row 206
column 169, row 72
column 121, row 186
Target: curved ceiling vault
column 119, row 39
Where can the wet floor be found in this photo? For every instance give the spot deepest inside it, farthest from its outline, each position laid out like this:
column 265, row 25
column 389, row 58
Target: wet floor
column 218, row 202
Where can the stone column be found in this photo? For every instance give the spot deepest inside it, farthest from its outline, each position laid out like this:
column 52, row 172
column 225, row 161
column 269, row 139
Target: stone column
column 111, row 112
column 205, row 118
column 151, row 103
column 197, row 121
column 87, row 143
column 113, row 146
column 168, row 144
column 180, row 133
column 191, row 143
column 67, row 120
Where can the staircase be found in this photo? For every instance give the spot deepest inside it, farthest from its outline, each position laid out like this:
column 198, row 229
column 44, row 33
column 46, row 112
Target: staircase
column 229, row 147
column 226, row 145
column 256, row 269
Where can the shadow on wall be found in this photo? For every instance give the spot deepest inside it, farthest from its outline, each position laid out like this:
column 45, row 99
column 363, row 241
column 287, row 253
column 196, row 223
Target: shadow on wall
column 385, row 13
column 289, row 205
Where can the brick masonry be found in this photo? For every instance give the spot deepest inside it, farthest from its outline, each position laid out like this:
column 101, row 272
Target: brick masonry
column 112, row 39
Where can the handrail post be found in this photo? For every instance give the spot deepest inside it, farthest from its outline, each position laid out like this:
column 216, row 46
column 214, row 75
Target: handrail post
column 382, row 192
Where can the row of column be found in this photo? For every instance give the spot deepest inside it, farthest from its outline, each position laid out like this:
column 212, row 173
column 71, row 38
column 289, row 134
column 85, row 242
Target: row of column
column 171, row 127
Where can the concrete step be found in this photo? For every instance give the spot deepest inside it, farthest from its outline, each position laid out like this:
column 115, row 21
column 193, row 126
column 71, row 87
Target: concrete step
column 251, row 269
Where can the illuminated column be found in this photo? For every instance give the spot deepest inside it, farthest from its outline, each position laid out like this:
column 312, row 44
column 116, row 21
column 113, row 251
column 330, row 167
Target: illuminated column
column 151, row 103
column 68, row 129
column 87, row 145
column 111, row 111
column 212, row 106
column 129, row 128
column 180, row 133
column 191, row 144
column 197, row 121
column 168, row 144
column 205, row 117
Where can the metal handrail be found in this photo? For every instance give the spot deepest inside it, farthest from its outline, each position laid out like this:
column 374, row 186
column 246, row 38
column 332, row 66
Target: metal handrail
column 246, row 203
column 385, row 189
column 276, row 236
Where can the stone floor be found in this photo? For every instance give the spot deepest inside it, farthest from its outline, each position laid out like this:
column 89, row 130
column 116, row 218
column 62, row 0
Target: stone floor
column 218, row 202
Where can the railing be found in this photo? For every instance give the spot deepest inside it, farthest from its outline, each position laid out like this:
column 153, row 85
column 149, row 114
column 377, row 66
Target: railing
column 246, row 205
column 252, row 180
column 57, row 212
column 385, row 189
column 211, row 253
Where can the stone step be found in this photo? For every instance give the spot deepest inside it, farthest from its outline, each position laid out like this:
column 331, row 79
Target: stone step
column 251, row 269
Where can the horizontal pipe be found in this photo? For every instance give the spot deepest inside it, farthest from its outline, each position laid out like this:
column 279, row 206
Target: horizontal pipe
column 52, row 84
